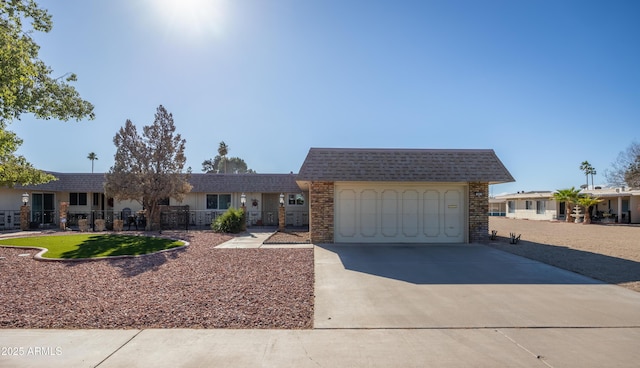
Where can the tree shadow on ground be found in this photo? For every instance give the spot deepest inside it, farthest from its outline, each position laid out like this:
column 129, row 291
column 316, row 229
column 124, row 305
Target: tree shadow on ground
column 602, row 267
column 118, row 245
column 147, row 252
column 131, row 267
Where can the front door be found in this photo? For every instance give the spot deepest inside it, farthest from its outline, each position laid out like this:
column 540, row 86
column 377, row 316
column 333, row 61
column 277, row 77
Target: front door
column 43, row 208
column 270, row 202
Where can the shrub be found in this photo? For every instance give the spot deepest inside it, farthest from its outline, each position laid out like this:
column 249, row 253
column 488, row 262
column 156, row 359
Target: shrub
column 229, row 222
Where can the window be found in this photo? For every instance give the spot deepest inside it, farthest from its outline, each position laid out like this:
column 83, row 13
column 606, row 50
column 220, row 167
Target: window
column 218, row 201
column 528, row 205
column 540, row 207
column 512, row 206
column 78, row 199
column 96, row 199
column 296, row 199
column 164, row 202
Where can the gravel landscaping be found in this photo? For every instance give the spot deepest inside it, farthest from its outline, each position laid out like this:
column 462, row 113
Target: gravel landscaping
column 195, row 287
column 610, row 253
column 201, row 286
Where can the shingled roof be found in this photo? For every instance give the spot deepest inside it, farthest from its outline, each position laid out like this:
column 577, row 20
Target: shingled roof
column 250, row 183
column 71, row 182
column 202, row 183
column 407, row 165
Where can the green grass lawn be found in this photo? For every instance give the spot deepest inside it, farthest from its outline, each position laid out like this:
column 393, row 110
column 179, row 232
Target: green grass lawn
column 92, row 245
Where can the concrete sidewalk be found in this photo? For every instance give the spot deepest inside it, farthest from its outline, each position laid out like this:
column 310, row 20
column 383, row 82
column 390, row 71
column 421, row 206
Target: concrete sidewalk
column 490, row 347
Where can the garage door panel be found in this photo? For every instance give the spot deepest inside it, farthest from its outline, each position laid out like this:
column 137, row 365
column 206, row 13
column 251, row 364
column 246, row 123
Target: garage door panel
column 431, row 213
column 346, row 206
column 410, row 214
column 399, row 213
column 368, row 213
column 389, row 213
column 452, row 213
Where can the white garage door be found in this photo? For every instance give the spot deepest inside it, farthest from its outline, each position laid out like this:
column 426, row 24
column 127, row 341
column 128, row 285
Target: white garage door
column 387, row 213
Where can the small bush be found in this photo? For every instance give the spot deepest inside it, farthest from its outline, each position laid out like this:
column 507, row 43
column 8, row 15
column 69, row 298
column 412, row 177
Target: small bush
column 229, row 222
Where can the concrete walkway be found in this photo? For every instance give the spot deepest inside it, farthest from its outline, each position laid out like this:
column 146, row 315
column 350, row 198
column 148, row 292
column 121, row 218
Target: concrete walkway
column 377, row 306
column 255, row 239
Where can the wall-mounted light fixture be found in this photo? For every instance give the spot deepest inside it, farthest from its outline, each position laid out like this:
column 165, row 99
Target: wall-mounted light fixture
column 479, row 194
column 25, row 199
column 282, row 199
column 243, row 199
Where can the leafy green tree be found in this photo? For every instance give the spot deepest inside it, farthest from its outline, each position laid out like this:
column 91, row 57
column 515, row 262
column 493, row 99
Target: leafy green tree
column 92, row 156
column 569, row 197
column 26, row 82
column 27, row 86
column 587, row 202
column 14, row 169
column 222, row 163
column 234, row 165
column 148, row 168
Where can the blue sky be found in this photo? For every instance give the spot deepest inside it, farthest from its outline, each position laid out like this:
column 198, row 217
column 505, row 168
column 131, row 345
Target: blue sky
column 547, row 84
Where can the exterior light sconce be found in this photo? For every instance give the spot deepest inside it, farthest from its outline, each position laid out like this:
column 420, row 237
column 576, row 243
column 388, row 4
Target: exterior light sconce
column 243, row 199
column 281, row 199
column 25, row 199
column 479, row 194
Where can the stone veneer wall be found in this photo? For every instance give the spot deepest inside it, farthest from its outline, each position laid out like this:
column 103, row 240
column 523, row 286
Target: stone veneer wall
column 478, row 212
column 321, row 208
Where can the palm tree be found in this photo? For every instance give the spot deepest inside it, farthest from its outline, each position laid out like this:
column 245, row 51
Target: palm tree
column 569, row 197
column 92, row 156
column 586, row 167
column 223, row 149
column 587, row 202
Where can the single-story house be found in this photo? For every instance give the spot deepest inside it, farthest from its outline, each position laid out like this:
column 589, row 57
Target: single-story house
column 211, row 195
column 533, row 205
column 343, row 195
column 399, row 195
column 618, row 205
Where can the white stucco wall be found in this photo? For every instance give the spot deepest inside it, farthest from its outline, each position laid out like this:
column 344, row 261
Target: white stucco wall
column 521, row 212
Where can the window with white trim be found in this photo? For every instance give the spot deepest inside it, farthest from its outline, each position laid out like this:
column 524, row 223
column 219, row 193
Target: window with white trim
column 77, row 199
column 541, row 207
column 218, row 201
column 296, row 199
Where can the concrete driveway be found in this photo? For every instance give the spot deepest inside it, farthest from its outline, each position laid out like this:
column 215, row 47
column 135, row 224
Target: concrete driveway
column 459, row 286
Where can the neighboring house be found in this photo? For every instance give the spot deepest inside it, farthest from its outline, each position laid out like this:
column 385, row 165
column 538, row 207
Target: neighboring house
column 212, row 194
column 343, row 195
column 497, row 207
column 399, row 195
column 535, row 205
column 619, row 205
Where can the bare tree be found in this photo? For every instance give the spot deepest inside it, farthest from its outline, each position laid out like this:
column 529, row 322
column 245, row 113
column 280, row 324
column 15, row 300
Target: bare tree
column 149, row 168
column 626, row 169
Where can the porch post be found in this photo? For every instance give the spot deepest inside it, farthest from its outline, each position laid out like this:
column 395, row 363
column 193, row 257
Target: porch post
column 281, row 217
column 619, row 212
column 64, row 206
column 24, row 217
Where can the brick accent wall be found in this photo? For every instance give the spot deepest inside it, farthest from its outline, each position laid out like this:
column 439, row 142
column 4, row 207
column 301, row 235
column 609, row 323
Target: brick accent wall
column 321, row 208
column 478, row 212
